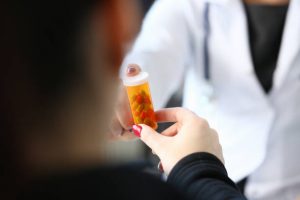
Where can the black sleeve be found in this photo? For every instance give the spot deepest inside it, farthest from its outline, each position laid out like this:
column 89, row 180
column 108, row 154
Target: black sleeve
column 203, row 176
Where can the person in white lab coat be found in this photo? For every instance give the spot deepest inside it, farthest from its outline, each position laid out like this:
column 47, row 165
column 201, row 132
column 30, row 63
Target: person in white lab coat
column 240, row 62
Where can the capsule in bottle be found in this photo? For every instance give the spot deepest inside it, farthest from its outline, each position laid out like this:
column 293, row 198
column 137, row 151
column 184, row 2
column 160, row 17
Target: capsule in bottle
column 140, row 100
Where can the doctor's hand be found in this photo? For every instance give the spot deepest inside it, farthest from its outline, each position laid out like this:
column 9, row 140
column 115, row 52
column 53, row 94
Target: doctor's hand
column 189, row 134
column 122, row 121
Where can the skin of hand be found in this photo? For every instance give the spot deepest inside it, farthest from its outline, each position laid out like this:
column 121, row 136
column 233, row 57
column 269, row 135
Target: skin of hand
column 122, row 121
column 189, row 134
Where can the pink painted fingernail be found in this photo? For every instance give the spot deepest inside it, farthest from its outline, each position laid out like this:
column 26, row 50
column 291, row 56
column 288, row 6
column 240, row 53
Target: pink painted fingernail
column 137, row 130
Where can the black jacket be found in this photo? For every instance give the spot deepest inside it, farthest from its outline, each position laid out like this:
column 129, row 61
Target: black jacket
column 197, row 176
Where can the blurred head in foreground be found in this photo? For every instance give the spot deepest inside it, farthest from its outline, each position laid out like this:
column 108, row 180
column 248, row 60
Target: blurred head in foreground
column 59, row 69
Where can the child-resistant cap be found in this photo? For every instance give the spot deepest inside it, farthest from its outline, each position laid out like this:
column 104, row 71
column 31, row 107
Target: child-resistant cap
column 139, row 79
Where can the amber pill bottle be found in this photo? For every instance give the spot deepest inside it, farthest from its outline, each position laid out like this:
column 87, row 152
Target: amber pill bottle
column 140, row 100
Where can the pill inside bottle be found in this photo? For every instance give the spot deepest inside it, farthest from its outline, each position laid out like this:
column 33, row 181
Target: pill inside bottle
column 140, row 100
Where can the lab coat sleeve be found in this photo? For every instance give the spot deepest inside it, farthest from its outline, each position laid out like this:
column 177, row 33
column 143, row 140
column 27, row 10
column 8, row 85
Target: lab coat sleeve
column 162, row 48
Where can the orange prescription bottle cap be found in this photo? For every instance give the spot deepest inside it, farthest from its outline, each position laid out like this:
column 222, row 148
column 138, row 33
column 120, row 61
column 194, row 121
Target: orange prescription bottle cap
column 139, row 79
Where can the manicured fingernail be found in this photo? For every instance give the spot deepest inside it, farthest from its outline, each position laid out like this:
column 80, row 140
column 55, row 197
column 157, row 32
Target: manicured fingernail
column 131, row 70
column 137, row 130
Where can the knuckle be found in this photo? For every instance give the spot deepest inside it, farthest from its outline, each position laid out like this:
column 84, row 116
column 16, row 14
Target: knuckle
column 184, row 111
column 203, row 123
column 179, row 110
column 214, row 132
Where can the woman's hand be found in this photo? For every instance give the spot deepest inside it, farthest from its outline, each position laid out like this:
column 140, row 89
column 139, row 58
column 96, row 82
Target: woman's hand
column 122, row 121
column 189, row 134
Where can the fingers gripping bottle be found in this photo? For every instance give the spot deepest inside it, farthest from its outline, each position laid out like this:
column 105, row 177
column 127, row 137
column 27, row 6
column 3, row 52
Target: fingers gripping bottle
column 139, row 96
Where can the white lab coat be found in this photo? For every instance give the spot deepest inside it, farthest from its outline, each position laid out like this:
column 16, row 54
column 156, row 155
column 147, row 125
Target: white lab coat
column 260, row 133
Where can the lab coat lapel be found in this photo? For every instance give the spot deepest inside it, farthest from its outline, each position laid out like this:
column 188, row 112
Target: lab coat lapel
column 240, row 37
column 290, row 44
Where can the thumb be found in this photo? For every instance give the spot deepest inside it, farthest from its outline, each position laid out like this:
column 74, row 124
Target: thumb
column 133, row 70
column 150, row 137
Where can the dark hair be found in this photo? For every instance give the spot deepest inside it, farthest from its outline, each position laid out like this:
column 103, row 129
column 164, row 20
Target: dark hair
column 39, row 59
